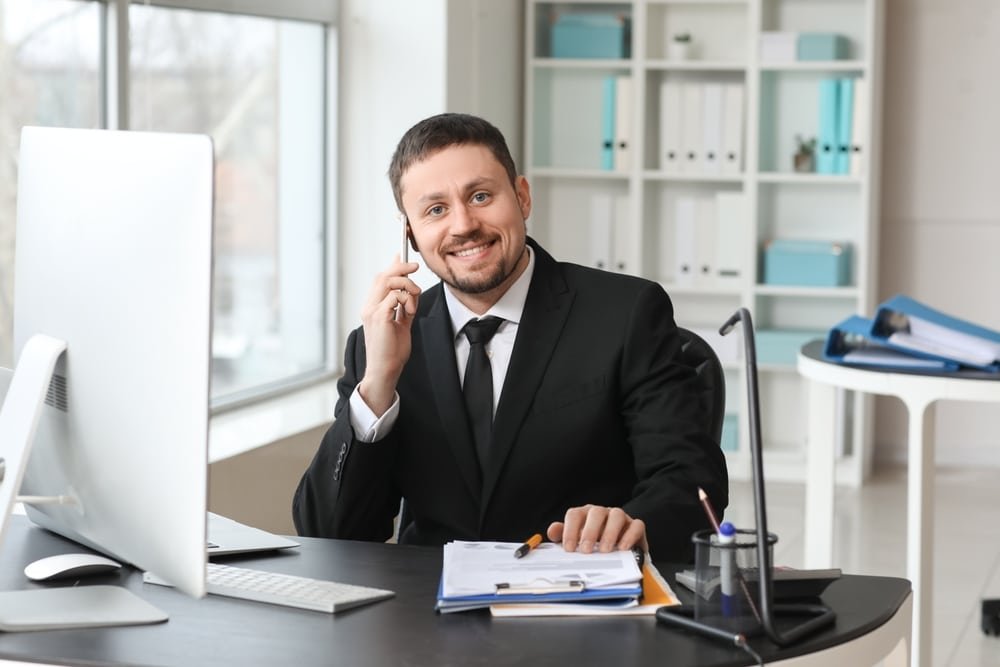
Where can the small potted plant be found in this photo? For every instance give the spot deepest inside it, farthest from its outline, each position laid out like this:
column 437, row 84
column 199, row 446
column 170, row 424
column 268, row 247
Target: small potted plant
column 680, row 46
column 805, row 153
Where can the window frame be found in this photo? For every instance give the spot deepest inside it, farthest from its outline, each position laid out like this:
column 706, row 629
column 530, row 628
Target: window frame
column 115, row 115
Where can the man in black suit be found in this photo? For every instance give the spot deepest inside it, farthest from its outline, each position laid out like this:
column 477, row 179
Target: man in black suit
column 597, row 438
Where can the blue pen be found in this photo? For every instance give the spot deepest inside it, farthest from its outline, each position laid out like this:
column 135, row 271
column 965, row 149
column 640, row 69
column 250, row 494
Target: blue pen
column 727, row 568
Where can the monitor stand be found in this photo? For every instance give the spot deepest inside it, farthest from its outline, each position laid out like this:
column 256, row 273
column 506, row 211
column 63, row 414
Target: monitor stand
column 48, row 608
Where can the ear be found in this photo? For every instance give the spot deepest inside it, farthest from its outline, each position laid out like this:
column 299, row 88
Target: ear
column 523, row 192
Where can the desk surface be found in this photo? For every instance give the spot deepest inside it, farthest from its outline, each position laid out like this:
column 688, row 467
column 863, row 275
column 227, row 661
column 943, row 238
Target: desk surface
column 401, row 631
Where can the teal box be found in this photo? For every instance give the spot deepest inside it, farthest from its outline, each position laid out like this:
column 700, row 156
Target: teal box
column 807, row 263
column 730, row 433
column 821, row 46
column 781, row 346
column 595, row 35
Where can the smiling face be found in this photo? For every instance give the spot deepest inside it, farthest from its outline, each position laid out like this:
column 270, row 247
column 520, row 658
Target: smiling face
column 468, row 221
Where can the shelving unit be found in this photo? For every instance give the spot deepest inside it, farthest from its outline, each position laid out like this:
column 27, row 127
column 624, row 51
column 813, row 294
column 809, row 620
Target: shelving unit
column 625, row 218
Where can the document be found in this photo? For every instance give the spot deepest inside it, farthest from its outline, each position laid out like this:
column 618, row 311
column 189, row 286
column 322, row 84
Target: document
column 656, row 593
column 477, row 574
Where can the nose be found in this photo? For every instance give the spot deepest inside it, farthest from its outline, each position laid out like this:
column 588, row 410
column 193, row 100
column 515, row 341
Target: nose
column 463, row 220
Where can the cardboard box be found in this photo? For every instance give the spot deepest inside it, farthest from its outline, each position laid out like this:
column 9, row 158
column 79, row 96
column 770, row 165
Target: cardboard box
column 821, row 46
column 778, row 47
column 807, row 263
column 591, row 35
column 781, row 346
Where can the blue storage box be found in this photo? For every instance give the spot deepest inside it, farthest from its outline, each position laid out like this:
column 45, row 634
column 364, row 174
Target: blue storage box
column 821, row 46
column 591, row 36
column 781, row 346
column 730, row 433
column 807, row 263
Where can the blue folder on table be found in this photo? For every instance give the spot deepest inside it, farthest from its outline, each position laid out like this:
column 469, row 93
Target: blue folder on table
column 470, row 602
column 905, row 324
column 850, row 342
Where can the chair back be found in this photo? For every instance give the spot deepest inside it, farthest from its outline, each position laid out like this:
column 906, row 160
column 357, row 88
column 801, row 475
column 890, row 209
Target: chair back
column 699, row 355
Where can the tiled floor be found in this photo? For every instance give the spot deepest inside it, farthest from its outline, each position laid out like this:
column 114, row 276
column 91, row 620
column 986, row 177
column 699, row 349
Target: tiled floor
column 870, row 538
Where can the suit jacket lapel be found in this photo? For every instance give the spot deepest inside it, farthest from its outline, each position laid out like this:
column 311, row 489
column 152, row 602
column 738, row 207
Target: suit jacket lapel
column 545, row 312
column 439, row 359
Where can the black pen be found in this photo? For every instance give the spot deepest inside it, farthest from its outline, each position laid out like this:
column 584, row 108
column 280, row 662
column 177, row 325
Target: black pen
column 528, row 545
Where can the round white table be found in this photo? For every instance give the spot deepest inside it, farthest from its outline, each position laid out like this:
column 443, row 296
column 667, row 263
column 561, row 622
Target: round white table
column 918, row 391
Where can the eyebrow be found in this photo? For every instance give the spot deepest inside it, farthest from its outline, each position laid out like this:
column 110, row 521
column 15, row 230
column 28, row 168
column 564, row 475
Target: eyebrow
column 471, row 185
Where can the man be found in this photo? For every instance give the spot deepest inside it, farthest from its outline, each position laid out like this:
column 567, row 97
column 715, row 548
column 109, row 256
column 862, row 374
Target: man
column 597, row 438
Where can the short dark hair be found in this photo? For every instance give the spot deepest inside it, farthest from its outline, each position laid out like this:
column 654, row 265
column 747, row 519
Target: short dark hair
column 447, row 129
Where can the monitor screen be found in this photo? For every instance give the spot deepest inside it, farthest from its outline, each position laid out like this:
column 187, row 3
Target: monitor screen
column 114, row 257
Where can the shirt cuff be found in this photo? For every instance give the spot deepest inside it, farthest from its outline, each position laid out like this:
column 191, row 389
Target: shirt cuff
column 367, row 427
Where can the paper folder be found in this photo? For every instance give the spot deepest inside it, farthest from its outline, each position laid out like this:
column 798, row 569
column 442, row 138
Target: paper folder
column 908, row 325
column 850, row 342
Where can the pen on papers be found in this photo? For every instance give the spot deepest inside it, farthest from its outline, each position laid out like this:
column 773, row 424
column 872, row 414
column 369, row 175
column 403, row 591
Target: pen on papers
column 528, row 545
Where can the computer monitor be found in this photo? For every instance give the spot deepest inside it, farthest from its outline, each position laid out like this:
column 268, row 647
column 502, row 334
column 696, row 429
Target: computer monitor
column 113, row 256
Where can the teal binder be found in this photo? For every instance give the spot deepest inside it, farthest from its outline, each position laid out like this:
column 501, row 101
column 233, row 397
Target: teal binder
column 845, row 109
column 826, row 162
column 608, row 124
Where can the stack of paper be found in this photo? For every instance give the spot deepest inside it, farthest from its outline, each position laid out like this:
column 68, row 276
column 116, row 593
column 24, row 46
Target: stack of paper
column 911, row 335
column 477, row 575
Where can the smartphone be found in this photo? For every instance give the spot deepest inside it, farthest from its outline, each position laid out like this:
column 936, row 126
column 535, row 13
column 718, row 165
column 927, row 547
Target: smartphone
column 404, row 256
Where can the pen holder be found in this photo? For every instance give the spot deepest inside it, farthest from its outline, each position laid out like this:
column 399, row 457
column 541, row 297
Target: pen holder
column 727, row 580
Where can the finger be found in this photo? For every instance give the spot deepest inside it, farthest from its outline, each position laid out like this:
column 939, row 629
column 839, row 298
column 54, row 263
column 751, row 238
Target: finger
column 593, row 528
column 572, row 526
column 614, row 526
column 555, row 532
column 634, row 536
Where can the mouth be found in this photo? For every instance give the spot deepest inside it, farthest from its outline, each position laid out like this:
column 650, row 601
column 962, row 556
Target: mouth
column 475, row 251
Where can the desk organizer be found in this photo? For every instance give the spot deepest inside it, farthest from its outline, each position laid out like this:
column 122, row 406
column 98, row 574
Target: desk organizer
column 596, row 35
column 807, row 263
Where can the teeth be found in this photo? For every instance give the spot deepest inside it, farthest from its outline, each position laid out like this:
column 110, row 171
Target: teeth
column 470, row 251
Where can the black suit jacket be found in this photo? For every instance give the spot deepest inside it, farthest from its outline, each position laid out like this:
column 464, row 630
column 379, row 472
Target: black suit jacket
column 595, row 408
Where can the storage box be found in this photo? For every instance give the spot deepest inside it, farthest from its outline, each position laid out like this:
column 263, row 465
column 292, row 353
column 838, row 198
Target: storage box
column 595, row 35
column 821, row 46
column 778, row 47
column 807, row 263
column 730, row 433
column 781, row 346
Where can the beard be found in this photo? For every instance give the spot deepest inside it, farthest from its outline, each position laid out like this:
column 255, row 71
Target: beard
column 482, row 283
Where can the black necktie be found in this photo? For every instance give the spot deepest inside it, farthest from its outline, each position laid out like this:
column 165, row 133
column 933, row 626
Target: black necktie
column 478, row 384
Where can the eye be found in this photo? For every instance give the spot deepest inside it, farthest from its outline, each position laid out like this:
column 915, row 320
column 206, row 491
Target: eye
column 435, row 211
column 481, row 197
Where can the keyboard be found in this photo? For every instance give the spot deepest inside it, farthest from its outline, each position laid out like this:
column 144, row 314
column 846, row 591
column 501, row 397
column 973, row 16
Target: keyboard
column 286, row 589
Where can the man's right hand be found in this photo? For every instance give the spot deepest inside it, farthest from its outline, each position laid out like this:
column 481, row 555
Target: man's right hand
column 387, row 339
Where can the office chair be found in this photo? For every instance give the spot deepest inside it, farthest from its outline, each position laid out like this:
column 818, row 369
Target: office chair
column 698, row 354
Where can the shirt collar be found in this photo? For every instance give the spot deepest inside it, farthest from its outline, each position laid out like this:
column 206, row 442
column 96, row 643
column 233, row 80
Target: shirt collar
column 509, row 307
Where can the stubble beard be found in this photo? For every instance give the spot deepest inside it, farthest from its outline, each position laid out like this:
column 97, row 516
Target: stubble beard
column 480, row 285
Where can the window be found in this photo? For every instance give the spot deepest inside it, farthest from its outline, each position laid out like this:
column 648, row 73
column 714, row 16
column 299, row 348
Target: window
column 258, row 84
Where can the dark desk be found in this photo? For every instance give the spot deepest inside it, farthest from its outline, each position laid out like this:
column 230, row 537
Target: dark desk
column 401, row 631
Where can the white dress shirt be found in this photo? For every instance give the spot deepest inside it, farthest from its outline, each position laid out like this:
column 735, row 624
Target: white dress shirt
column 369, row 428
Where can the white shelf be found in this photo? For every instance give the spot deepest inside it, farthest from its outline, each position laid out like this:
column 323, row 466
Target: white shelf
column 627, row 219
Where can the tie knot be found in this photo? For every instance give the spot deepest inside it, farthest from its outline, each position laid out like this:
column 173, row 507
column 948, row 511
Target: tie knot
column 481, row 331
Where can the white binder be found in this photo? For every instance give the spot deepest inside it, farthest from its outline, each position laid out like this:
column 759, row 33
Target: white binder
column 670, row 126
column 711, row 127
column 691, row 137
column 685, row 220
column 859, row 129
column 732, row 130
column 733, row 223
column 705, row 242
column 602, row 213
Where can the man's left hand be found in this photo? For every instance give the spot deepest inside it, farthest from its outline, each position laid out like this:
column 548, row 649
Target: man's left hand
column 595, row 527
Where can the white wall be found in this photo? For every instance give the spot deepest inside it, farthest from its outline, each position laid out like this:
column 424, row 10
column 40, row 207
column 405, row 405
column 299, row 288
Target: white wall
column 401, row 61
column 940, row 227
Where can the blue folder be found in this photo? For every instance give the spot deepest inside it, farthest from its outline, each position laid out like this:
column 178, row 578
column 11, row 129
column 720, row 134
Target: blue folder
column 845, row 110
column 826, row 158
column 469, row 602
column 608, row 125
column 850, row 342
column 960, row 341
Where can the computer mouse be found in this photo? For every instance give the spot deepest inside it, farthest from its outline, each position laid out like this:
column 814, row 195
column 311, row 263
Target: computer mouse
column 64, row 566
